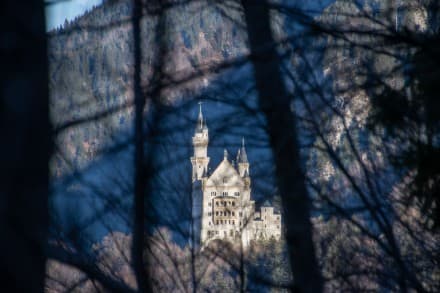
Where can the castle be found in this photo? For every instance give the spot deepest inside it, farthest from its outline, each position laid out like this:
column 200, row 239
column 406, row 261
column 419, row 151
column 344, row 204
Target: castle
column 226, row 210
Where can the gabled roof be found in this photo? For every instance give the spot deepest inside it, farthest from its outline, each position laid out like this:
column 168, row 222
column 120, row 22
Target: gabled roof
column 225, row 175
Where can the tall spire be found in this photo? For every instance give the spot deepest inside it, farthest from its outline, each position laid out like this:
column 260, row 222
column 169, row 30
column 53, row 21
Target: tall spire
column 243, row 155
column 200, row 119
column 200, row 110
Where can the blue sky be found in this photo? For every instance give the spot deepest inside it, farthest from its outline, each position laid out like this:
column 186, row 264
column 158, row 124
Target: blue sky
column 57, row 12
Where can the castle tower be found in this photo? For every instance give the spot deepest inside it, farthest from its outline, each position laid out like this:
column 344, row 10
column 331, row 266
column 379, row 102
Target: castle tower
column 200, row 142
column 242, row 161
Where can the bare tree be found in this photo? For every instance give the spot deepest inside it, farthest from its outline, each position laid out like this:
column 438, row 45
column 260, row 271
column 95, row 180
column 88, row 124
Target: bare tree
column 276, row 105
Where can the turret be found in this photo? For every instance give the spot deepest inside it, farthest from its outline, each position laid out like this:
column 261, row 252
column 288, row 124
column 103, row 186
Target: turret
column 200, row 142
column 242, row 161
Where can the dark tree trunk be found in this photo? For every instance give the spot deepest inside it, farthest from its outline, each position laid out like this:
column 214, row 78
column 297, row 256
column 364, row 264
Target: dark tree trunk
column 25, row 145
column 146, row 132
column 139, row 157
column 276, row 106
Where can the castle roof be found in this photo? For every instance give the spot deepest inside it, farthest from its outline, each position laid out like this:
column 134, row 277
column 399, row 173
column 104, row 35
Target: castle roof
column 225, row 175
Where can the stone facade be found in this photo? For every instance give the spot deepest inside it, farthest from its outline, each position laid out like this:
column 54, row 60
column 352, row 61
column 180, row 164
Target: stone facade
column 227, row 210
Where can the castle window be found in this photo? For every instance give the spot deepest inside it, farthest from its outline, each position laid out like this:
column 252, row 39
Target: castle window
column 233, row 213
column 233, row 222
column 233, row 203
column 221, row 222
column 216, row 203
column 217, row 222
column 236, row 193
column 216, row 213
column 213, row 193
column 224, row 203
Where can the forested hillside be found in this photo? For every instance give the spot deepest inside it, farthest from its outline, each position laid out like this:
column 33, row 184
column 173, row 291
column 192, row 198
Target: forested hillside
column 350, row 79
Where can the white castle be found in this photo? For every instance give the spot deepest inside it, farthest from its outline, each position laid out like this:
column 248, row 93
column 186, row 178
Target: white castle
column 227, row 211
